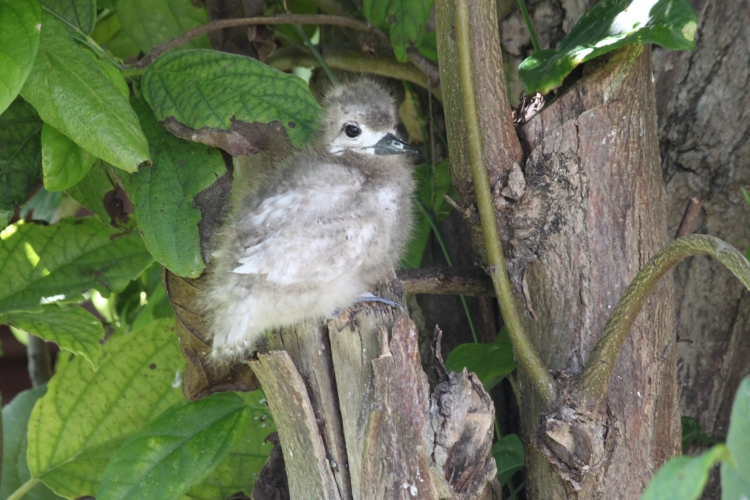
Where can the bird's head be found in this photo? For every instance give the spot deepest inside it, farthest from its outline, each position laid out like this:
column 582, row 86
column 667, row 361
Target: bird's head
column 360, row 118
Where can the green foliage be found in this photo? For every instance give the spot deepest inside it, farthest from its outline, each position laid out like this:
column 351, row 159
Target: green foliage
column 72, row 328
column 509, row 457
column 238, row 471
column 205, row 88
column 608, row 25
column 20, row 156
column 684, row 477
column 80, row 15
column 91, row 190
column 491, row 362
column 64, row 163
column 175, row 451
column 15, row 472
column 45, row 264
column 87, row 414
column 405, row 21
column 19, row 42
column 149, row 23
column 163, row 195
column 691, row 432
column 735, row 474
column 71, row 93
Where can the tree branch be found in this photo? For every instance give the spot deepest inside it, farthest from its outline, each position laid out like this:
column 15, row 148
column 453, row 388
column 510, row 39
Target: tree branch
column 525, row 353
column 687, row 224
column 351, row 60
column 465, row 280
column 594, row 380
column 429, row 71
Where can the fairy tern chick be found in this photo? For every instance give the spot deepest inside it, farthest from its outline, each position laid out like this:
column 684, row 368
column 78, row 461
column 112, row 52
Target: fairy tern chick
column 320, row 231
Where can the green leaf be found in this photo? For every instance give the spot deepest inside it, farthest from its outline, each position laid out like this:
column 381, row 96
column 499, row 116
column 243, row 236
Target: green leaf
column 735, row 478
column 509, row 457
column 428, row 46
column 15, row 470
column 175, row 451
column 86, row 414
column 205, row 88
column 691, row 431
column 491, row 362
column 746, row 195
column 72, row 328
column 19, row 42
column 92, row 190
column 64, row 163
column 163, row 195
column 685, row 477
column 420, row 235
column 79, row 14
column 608, row 25
column 72, row 94
column 151, row 22
column 405, row 20
column 44, row 264
column 20, row 153
column 238, row 471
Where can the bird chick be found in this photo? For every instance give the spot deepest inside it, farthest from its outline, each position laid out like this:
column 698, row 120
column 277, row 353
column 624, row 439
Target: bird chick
column 317, row 233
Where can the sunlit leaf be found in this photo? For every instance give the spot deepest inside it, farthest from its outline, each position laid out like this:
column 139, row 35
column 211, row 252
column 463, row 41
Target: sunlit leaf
column 19, row 42
column 606, row 26
column 684, row 477
column 87, row 414
column 735, row 477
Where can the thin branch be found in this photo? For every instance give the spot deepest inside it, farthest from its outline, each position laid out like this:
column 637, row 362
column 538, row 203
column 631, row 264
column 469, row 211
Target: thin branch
column 354, row 61
column 23, row 489
column 526, row 355
column 594, row 381
column 322, row 19
column 687, row 224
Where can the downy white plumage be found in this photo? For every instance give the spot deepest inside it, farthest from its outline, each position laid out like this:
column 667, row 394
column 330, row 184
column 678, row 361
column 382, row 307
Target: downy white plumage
column 319, row 231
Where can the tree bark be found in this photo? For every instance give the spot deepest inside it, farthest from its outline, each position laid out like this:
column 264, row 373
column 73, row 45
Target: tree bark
column 592, row 216
column 704, row 137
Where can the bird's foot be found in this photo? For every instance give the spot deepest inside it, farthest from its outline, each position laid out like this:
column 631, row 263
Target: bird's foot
column 368, row 297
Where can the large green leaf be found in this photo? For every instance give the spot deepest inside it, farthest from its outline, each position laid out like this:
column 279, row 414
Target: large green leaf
column 15, row 472
column 64, row 163
column 163, row 195
column 205, row 88
column 491, row 362
column 238, row 471
column 44, row 264
column 20, row 154
column 79, row 14
column 72, row 328
column 72, row 94
column 175, row 451
column 509, row 457
column 92, row 190
column 684, row 477
column 405, row 21
column 19, row 42
column 735, row 477
column 608, row 25
column 151, row 22
column 86, row 414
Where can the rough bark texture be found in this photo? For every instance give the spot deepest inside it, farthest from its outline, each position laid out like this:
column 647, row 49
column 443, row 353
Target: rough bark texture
column 704, row 132
column 592, row 216
column 356, row 418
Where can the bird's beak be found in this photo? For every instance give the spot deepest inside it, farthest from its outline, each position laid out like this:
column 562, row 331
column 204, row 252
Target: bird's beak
column 392, row 145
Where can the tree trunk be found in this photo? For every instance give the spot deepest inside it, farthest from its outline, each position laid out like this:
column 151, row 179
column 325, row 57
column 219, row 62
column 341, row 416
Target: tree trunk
column 704, row 135
column 592, row 216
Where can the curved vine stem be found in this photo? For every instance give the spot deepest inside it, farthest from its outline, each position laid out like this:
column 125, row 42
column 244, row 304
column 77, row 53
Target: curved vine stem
column 594, row 380
column 526, row 356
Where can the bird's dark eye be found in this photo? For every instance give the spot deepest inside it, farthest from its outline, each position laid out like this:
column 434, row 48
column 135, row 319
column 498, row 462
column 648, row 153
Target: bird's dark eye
column 352, row 131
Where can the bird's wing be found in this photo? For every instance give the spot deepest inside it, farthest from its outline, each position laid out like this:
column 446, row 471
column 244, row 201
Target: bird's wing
column 310, row 233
